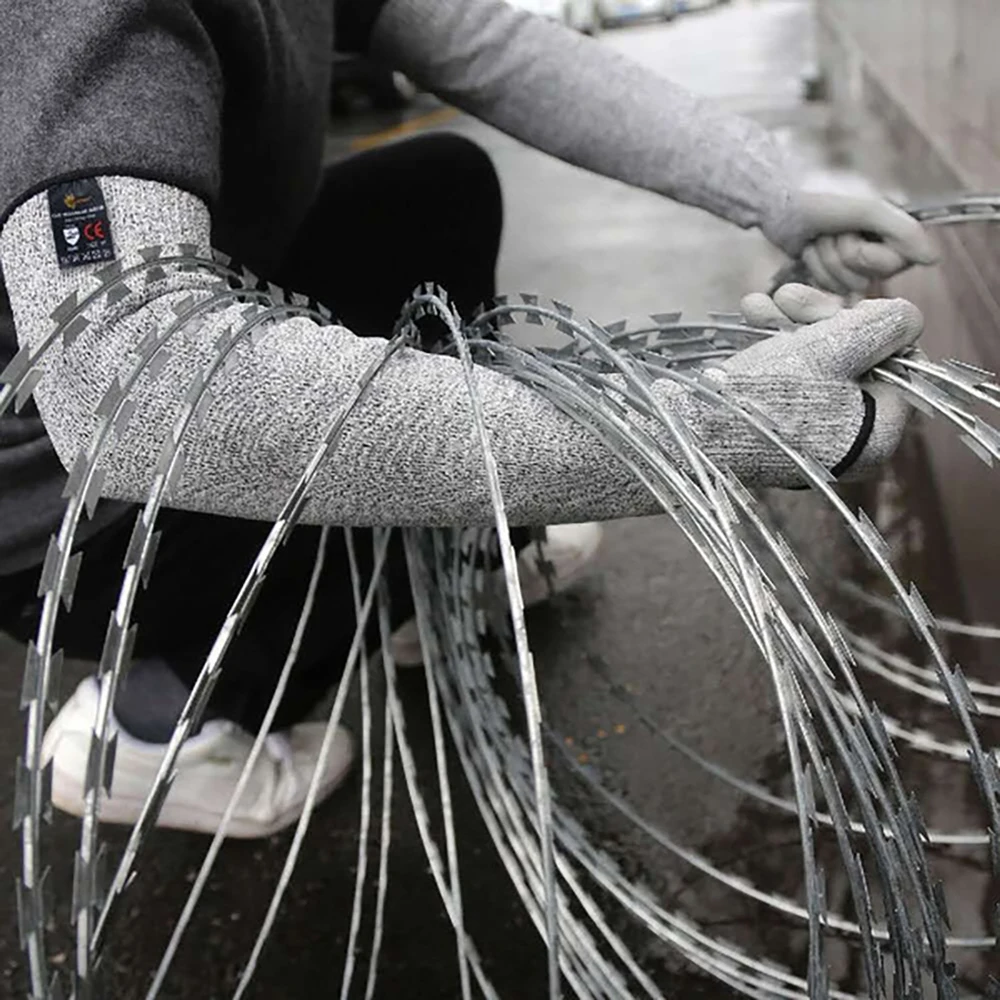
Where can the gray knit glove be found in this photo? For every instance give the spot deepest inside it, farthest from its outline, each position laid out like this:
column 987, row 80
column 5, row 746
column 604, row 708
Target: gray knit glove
column 845, row 241
column 836, row 344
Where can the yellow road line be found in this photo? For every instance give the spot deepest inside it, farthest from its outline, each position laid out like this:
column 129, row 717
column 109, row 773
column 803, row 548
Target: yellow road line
column 431, row 118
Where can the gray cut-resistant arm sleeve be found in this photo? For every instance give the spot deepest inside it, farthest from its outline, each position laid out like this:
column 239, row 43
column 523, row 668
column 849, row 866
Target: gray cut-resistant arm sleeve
column 409, row 454
column 581, row 101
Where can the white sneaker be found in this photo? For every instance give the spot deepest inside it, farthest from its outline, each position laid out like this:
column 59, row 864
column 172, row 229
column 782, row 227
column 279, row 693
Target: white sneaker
column 565, row 553
column 208, row 767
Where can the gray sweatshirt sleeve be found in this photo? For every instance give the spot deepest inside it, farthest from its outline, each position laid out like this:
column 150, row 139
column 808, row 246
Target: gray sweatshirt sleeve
column 409, row 454
column 576, row 99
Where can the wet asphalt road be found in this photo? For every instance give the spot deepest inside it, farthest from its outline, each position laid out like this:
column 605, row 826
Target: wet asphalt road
column 649, row 610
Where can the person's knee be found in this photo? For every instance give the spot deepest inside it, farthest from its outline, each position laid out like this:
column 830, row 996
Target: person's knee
column 469, row 178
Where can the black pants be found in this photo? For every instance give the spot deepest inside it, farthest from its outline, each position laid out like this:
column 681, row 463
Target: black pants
column 428, row 209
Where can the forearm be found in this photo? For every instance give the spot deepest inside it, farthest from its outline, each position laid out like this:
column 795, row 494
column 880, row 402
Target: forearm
column 584, row 103
column 409, row 453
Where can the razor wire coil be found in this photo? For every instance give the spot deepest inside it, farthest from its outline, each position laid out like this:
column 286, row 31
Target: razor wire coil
column 831, row 732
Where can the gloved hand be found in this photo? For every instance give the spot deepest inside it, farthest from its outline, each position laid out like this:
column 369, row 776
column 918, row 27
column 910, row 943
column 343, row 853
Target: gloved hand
column 838, row 238
column 790, row 305
column 837, row 346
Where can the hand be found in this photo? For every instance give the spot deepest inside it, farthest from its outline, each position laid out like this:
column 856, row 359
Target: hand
column 835, row 346
column 845, row 241
column 791, row 305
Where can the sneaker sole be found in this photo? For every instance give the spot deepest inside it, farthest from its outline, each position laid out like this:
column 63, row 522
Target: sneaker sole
column 125, row 811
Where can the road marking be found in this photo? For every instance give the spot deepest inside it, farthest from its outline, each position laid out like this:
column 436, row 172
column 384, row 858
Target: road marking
column 437, row 117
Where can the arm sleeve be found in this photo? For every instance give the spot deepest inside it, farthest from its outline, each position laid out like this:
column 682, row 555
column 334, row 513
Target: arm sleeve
column 82, row 80
column 409, row 453
column 579, row 100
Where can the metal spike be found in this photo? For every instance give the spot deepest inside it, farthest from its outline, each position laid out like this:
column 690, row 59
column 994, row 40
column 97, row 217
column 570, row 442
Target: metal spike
column 22, row 793
column 971, row 375
column 147, row 569
column 809, row 794
column 112, row 636
column 977, row 449
column 46, row 796
column 69, row 582
column 76, row 475
column 92, row 776
column 109, row 402
column 920, row 610
column 960, row 687
column 878, row 724
column 109, row 762
column 27, row 924
column 65, row 308
column 149, row 254
column 26, row 388
column 19, row 364
column 176, row 474
column 619, row 326
column 128, row 651
column 94, row 490
column 112, row 272
column 203, row 406
column 118, row 293
column 872, row 535
column 181, row 307
column 29, row 677
column 125, row 414
column 189, row 249
column 52, row 556
column 159, row 361
column 839, row 642
column 167, row 451
column 194, row 388
column 147, row 345
column 56, row 662
column 155, row 274
column 224, row 339
column 666, row 319
column 140, row 529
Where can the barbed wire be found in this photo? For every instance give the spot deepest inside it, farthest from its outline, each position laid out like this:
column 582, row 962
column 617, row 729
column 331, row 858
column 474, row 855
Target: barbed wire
column 474, row 636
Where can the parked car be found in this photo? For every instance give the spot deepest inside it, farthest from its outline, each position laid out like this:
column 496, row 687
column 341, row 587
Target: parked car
column 583, row 15
column 685, row 5
column 611, row 12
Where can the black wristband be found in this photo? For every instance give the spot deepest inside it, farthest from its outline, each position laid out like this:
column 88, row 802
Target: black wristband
column 860, row 442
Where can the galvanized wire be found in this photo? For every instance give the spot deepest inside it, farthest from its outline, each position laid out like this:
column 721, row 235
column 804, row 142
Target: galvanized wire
column 838, row 744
